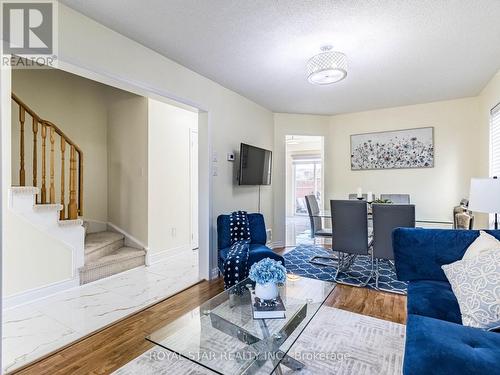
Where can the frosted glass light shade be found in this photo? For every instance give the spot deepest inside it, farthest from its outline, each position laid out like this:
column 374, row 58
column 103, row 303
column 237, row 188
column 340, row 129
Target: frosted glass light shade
column 326, row 67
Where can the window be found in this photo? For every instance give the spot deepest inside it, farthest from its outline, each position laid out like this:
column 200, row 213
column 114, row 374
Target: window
column 306, row 180
column 495, row 141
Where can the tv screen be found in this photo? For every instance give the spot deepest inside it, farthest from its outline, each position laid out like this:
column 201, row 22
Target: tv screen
column 255, row 165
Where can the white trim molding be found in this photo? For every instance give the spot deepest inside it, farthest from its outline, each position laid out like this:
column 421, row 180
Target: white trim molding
column 158, row 256
column 34, row 294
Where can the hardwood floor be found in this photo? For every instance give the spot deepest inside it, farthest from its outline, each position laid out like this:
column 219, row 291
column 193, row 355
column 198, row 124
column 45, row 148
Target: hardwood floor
column 111, row 348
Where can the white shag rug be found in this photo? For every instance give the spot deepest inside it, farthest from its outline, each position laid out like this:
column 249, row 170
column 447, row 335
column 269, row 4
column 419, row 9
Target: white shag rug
column 335, row 342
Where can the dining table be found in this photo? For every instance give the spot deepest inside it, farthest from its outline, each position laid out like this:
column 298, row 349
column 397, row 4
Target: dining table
column 327, row 214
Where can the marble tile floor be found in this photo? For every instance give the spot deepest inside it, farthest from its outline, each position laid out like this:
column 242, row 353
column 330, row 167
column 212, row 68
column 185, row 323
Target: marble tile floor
column 33, row 330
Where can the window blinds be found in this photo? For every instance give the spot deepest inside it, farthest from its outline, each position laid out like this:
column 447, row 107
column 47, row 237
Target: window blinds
column 495, row 141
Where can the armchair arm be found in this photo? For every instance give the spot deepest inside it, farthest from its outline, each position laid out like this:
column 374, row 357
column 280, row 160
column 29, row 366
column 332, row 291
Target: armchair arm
column 420, row 253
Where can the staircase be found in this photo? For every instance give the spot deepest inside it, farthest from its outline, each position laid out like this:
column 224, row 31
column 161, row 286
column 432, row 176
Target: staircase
column 57, row 209
column 106, row 255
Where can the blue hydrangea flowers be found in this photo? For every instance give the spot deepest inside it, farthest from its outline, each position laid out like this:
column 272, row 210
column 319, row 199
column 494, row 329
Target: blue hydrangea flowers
column 268, row 271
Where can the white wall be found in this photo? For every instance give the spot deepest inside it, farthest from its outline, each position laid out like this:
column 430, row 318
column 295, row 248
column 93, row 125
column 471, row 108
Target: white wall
column 33, row 260
column 169, row 198
column 127, row 162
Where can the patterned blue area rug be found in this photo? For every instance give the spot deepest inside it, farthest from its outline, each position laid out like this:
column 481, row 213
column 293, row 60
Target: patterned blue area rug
column 297, row 262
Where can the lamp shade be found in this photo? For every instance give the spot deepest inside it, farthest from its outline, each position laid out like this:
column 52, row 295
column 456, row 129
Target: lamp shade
column 484, row 195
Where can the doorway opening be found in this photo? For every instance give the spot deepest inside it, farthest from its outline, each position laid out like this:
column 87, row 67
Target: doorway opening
column 304, row 176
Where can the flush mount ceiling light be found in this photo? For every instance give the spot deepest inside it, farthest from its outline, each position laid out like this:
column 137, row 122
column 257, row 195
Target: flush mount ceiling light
column 326, row 67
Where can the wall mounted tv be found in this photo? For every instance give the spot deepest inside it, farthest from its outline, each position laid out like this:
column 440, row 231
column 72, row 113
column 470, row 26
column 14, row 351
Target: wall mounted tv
column 255, row 165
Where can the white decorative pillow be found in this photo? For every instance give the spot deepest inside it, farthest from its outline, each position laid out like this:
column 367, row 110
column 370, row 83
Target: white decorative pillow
column 484, row 242
column 476, row 285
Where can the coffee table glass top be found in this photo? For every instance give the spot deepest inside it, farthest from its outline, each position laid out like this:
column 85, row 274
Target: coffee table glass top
column 222, row 335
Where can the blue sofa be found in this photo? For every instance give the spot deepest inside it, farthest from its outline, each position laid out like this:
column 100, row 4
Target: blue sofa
column 436, row 340
column 258, row 248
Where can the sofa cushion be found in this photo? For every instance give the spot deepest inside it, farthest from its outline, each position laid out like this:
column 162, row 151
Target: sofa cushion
column 476, row 284
column 420, row 253
column 434, row 299
column 438, row 347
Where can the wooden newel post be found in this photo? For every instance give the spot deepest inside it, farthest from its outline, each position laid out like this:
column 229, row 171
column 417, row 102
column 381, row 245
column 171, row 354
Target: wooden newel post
column 44, row 167
column 22, row 173
column 72, row 207
column 52, row 189
column 62, row 213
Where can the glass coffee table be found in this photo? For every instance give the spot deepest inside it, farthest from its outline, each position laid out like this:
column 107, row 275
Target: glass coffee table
column 222, row 336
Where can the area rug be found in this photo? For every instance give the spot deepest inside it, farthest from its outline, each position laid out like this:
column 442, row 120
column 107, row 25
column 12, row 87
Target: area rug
column 335, row 342
column 297, row 262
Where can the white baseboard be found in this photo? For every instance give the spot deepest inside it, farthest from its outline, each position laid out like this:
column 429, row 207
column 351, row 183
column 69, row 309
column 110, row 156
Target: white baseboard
column 34, row 294
column 153, row 257
column 277, row 244
column 129, row 239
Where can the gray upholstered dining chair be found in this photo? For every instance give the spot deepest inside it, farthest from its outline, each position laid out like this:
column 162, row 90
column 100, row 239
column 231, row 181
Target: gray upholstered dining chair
column 386, row 218
column 396, row 198
column 317, row 229
column 350, row 235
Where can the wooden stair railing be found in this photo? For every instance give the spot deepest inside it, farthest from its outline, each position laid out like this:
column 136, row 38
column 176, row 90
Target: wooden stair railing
column 48, row 132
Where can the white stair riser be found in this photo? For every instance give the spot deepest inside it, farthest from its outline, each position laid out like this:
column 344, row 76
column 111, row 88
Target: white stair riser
column 103, row 251
column 106, row 270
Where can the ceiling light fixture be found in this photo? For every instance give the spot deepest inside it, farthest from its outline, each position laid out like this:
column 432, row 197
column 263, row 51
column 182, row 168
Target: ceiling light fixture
column 326, row 67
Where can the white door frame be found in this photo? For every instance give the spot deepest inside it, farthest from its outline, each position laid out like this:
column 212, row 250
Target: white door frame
column 193, row 186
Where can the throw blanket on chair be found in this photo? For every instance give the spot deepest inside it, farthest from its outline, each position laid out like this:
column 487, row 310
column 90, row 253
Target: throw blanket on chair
column 235, row 266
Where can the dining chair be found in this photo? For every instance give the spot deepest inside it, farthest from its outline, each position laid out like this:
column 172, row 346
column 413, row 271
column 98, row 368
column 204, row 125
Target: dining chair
column 317, row 229
column 386, row 218
column 396, row 198
column 350, row 236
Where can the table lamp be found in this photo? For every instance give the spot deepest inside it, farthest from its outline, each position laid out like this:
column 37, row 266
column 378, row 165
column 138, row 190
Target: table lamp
column 484, row 196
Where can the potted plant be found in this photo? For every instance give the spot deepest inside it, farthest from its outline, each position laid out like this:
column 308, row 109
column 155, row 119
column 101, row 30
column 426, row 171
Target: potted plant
column 267, row 273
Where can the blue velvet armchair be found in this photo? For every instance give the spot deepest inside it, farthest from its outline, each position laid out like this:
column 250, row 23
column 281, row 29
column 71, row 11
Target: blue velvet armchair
column 436, row 340
column 258, row 248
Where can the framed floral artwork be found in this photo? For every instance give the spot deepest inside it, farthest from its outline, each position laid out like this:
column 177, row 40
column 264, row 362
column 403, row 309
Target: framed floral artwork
column 408, row 148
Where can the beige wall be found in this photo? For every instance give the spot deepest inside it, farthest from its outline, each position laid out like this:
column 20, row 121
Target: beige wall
column 127, row 162
column 461, row 152
column 434, row 191
column 169, row 207
column 79, row 108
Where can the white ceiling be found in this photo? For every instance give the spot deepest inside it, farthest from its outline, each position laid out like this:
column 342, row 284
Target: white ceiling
column 399, row 51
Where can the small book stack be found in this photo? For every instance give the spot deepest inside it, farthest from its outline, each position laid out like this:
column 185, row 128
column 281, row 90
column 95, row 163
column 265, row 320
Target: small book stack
column 267, row 309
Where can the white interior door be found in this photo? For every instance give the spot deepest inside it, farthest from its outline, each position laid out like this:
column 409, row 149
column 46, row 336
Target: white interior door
column 193, row 135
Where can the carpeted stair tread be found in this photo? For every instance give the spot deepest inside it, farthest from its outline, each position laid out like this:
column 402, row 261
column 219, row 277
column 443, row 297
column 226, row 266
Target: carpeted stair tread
column 96, row 241
column 116, row 256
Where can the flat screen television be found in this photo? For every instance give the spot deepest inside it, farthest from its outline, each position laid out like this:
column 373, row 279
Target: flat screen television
column 255, row 165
